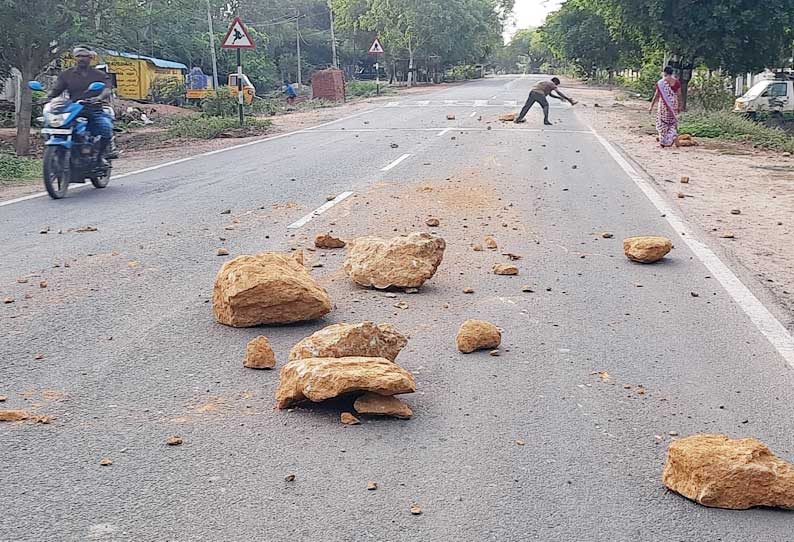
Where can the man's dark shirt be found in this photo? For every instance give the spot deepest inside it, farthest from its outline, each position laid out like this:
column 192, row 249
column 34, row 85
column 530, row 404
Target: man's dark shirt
column 77, row 80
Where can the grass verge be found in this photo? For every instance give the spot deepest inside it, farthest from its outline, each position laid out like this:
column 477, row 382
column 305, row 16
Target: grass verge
column 203, row 127
column 732, row 127
column 366, row 89
column 14, row 169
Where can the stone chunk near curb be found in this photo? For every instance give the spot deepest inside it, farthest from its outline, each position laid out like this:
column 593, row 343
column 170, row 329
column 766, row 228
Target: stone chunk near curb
column 328, row 241
column 259, row 354
column 478, row 335
column 382, row 405
column 505, row 269
column 717, row 471
column 647, row 249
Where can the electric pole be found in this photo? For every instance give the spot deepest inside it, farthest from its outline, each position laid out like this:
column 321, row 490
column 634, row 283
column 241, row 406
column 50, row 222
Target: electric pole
column 212, row 48
column 298, row 42
column 335, row 60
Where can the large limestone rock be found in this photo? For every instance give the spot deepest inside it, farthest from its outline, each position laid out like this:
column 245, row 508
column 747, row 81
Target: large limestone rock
column 318, row 379
column 382, row 405
column 345, row 340
column 268, row 288
column 403, row 262
column 718, row 471
column 646, row 249
column 478, row 335
column 259, row 354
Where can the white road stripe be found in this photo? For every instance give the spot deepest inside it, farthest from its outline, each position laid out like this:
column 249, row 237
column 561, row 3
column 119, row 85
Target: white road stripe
column 480, row 103
column 765, row 321
column 472, row 114
column 396, row 162
column 392, row 104
column 196, row 156
column 461, row 128
column 511, row 103
column 320, row 210
column 423, row 102
column 444, row 131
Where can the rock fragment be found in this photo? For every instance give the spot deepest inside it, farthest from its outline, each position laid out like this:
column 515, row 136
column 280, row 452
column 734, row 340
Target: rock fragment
column 372, row 486
column 351, row 340
column 328, row 241
column 222, row 252
column 348, row 419
column 509, row 117
column 318, row 379
column 402, row 262
column 717, row 471
column 684, row 180
column 450, row 116
column 105, row 461
column 268, row 288
column 433, row 222
column 381, row 405
column 174, row 440
column 8, row 299
column 736, row 211
column 505, row 269
column 259, row 354
column 416, row 510
column 646, row 249
column 14, row 415
column 478, row 335
column 490, row 243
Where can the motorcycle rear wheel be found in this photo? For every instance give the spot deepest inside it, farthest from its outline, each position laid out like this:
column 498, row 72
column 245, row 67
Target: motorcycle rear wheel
column 102, row 182
column 56, row 171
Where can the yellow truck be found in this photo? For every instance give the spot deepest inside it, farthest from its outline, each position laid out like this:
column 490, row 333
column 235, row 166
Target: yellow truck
column 198, row 85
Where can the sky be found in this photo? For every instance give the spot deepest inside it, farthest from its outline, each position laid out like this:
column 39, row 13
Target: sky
column 531, row 13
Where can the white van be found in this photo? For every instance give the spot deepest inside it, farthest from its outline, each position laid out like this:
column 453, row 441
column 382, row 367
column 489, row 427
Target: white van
column 769, row 95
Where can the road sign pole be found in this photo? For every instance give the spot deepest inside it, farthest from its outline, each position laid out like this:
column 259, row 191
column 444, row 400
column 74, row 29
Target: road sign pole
column 377, row 79
column 240, row 86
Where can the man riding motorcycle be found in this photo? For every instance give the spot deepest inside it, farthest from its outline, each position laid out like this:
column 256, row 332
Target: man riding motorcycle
column 76, row 81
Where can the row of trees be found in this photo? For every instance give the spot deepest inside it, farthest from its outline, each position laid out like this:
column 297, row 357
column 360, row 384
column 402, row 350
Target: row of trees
column 35, row 33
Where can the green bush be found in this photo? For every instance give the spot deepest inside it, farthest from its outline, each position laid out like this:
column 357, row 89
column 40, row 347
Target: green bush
column 17, row 168
column 168, row 90
column 206, row 127
column 220, row 103
column 710, row 92
column 732, row 127
column 366, row 89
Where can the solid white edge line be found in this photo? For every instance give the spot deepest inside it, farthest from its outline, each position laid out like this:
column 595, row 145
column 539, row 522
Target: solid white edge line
column 764, row 320
column 318, row 211
column 396, row 162
column 197, row 156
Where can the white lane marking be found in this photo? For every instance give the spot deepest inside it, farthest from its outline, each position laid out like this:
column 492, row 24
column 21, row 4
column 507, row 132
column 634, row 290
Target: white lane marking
column 480, row 103
column 423, row 102
column 396, row 162
column 392, row 104
column 511, row 103
column 472, row 114
column 493, row 97
column 461, row 128
column 765, row 321
column 319, row 210
column 444, row 131
column 196, row 156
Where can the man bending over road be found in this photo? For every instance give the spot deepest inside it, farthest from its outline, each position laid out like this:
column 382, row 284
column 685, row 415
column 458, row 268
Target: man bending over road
column 538, row 94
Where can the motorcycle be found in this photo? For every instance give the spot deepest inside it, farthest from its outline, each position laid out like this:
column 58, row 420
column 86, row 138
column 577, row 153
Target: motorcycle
column 70, row 150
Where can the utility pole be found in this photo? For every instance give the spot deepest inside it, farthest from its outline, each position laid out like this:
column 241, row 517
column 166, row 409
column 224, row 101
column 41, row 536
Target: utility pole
column 298, row 42
column 335, row 60
column 212, row 48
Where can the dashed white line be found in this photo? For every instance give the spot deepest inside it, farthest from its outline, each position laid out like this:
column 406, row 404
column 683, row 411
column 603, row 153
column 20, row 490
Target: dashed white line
column 444, row 131
column 423, row 102
column 765, row 321
column 396, row 162
column 320, row 210
column 480, row 103
column 472, row 114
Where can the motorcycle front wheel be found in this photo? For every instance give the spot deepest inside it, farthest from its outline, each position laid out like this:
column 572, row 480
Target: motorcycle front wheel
column 56, row 171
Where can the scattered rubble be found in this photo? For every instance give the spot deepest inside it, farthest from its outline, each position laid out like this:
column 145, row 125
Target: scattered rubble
column 717, row 471
column 259, row 354
column 268, row 288
column 509, row 117
column 402, row 262
column 348, row 419
column 105, row 461
column 326, row 240
column 222, row 252
column 174, row 441
column 351, row 340
column 382, row 405
column 14, row 415
column 684, row 179
column 505, row 269
column 490, row 243
column 416, row 509
column 646, row 249
column 372, row 486
column 318, row 379
column 433, row 222
column 450, row 116
column 478, row 335
column 8, row 300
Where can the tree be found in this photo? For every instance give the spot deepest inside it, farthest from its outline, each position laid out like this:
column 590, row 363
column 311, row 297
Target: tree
column 526, row 52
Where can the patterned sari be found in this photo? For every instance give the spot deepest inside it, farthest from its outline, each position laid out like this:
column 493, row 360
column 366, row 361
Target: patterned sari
column 666, row 117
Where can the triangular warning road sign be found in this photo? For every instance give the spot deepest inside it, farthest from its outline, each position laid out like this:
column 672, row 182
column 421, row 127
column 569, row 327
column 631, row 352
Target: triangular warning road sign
column 377, row 48
column 237, row 37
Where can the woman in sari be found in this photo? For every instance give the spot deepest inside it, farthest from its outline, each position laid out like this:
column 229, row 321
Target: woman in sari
column 667, row 110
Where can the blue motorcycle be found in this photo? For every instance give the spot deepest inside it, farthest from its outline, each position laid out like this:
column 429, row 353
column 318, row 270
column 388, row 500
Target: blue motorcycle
column 70, row 150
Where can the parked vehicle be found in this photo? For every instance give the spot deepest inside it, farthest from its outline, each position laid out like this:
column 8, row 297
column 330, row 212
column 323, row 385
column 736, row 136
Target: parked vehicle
column 70, row 150
column 771, row 95
column 198, row 85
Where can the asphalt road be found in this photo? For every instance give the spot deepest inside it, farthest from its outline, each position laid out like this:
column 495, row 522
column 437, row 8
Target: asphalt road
column 132, row 355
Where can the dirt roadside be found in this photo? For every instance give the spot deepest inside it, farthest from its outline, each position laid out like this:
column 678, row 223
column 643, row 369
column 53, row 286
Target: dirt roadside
column 141, row 148
column 741, row 197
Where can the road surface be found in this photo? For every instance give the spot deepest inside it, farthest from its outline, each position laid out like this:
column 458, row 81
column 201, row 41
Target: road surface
column 130, row 354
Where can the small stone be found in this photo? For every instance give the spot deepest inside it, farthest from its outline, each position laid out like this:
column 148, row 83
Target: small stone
column 433, row 222
column 477, row 335
column 673, row 433
column 680, row 195
column 607, row 235
column 22, row 281
column 521, row 442
column 382, row 405
column 527, row 289
column 222, row 252
column 289, row 478
column 3, row 398
column 450, row 116
column 372, row 486
column 646, row 249
column 348, row 419
column 505, row 269
column 39, row 356
column 226, row 212
column 105, row 461
column 694, row 294
column 394, row 146
column 512, row 257
column 402, row 305
column 8, row 299
column 259, row 354
column 43, row 284
column 13, row 415
column 574, row 166
column 736, row 211
column 327, row 241
column 727, row 235
column 330, row 197
column 174, row 441
column 477, row 248
column 416, row 509
column 490, row 243
column 468, row 290
column 684, row 180
column 495, row 353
